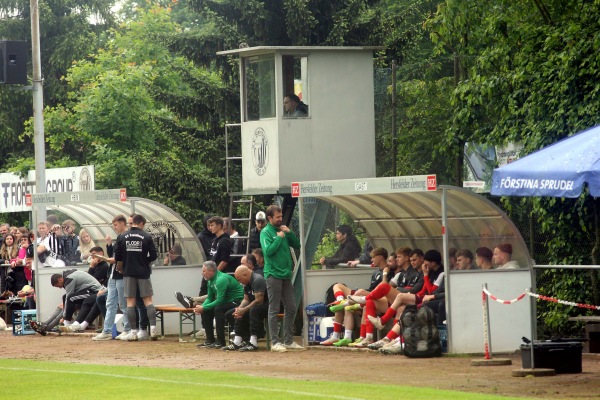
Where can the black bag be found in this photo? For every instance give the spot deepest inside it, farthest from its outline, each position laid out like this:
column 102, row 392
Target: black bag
column 420, row 333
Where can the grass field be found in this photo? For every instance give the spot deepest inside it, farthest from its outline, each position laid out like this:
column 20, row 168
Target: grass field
column 45, row 380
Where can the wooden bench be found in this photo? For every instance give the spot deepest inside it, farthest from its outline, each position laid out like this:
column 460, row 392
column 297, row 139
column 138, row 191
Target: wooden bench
column 592, row 332
column 186, row 317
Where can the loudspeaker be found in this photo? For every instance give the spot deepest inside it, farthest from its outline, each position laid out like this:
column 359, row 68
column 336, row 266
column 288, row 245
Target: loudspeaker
column 13, row 62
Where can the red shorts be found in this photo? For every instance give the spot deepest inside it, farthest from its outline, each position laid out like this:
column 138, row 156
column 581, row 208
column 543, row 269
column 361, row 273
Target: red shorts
column 418, row 299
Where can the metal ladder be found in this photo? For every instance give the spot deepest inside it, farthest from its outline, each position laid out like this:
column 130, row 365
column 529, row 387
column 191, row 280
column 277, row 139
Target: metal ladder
column 234, row 201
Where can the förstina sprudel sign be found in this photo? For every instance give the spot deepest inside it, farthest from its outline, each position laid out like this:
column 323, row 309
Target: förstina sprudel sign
column 13, row 188
column 395, row 184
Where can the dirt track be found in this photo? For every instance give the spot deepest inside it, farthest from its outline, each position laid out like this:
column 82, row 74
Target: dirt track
column 454, row 373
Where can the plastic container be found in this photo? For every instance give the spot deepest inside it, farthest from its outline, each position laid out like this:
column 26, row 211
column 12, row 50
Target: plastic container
column 563, row 357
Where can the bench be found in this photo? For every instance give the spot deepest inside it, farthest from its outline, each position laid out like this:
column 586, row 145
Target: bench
column 186, row 317
column 592, row 332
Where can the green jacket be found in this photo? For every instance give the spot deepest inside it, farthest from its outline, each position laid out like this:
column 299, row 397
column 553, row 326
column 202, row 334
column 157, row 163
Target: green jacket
column 222, row 288
column 276, row 250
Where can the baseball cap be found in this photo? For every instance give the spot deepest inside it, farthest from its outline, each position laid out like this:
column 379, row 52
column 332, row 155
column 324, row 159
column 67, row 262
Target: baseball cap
column 260, row 216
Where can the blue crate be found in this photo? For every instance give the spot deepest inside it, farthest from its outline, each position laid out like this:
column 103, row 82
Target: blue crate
column 20, row 322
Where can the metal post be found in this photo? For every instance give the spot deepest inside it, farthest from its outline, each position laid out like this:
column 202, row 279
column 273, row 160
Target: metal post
column 486, row 326
column 304, row 266
column 394, row 106
column 447, row 268
column 38, row 109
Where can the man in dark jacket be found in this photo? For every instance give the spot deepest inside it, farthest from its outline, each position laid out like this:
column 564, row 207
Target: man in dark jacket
column 259, row 223
column 206, row 236
column 134, row 253
column 349, row 248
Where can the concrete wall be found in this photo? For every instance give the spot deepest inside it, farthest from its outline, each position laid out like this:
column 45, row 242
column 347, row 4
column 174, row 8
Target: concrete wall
column 165, row 281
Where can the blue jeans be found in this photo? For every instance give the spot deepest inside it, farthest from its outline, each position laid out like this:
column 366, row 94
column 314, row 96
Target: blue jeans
column 115, row 299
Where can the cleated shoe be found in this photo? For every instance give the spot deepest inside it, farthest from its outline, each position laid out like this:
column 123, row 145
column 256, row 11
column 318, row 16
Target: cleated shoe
column 364, row 344
column 343, row 343
column 356, row 342
column 396, row 348
column 249, row 347
column 183, row 300
column 376, row 321
column 353, row 299
column 234, row 346
column 38, row 327
column 379, row 344
column 338, row 306
column 353, row 308
column 329, row 341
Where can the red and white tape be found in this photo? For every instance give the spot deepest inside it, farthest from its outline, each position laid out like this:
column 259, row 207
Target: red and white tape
column 540, row 297
column 491, row 296
column 566, row 303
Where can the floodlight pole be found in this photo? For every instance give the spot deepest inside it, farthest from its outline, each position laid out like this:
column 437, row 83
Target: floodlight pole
column 38, row 110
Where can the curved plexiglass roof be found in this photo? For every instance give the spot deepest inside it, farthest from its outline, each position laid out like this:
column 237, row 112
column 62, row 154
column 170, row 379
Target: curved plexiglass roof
column 165, row 225
column 414, row 219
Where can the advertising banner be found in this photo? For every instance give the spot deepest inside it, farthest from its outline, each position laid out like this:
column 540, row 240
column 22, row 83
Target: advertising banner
column 14, row 188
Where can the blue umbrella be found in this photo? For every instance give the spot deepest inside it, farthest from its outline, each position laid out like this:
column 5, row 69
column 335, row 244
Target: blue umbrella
column 559, row 170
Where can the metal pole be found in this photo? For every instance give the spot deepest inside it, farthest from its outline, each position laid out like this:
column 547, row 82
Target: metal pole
column 303, row 266
column 446, row 268
column 488, row 335
column 394, row 142
column 38, row 110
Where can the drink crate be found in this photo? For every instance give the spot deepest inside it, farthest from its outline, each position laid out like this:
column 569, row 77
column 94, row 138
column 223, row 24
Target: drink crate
column 20, row 322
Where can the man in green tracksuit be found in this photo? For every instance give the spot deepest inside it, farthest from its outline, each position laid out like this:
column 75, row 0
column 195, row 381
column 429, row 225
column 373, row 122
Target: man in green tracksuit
column 276, row 240
column 224, row 293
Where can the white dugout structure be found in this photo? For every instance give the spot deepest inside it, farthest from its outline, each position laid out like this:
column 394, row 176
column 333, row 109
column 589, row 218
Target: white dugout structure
column 413, row 211
column 94, row 211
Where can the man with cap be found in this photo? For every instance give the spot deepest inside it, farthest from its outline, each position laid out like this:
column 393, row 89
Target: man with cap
column 502, row 257
column 259, row 223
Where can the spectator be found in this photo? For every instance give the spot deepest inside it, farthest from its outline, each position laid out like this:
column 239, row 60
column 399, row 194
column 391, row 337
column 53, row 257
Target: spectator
column 4, row 230
column 502, row 257
column 349, row 248
column 365, row 255
column 483, row 258
column 224, row 293
column 464, row 260
column 86, row 245
column 174, row 256
column 220, row 248
column 276, row 240
column 294, row 107
column 206, row 236
column 50, row 251
column 70, row 242
column 14, row 277
column 238, row 245
column 254, row 238
column 134, row 252
column 251, row 312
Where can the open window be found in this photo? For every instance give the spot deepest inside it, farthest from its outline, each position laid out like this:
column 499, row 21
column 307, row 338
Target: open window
column 259, row 97
column 295, row 82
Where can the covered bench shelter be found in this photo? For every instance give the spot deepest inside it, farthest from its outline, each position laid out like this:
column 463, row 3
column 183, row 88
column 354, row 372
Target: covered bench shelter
column 413, row 211
column 94, row 211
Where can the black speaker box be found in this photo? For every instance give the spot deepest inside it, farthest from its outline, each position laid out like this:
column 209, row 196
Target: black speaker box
column 13, row 62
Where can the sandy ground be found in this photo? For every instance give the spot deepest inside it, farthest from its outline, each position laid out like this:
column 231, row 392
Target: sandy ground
column 450, row 372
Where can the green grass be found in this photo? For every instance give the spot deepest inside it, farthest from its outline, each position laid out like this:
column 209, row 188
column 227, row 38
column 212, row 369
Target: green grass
column 45, row 380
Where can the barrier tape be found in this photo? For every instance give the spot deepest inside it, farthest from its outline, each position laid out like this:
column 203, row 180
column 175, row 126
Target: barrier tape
column 566, row 303
column 540, row 297
column 491, row 296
